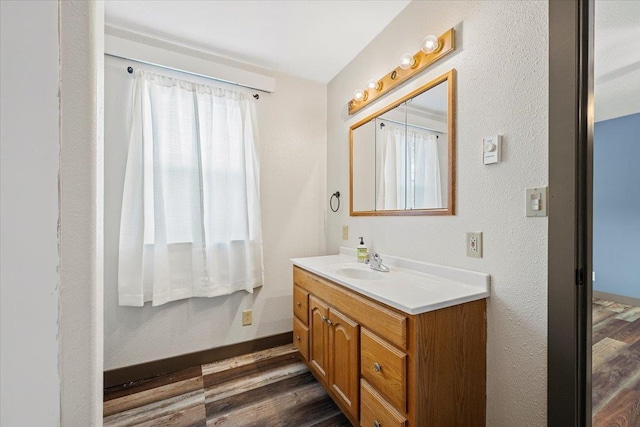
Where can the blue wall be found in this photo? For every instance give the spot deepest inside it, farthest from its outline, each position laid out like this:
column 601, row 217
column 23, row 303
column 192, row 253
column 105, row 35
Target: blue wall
column 616, row 206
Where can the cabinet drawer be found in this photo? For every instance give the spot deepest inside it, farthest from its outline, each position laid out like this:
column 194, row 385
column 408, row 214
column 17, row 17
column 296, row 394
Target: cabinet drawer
column 375, row 411
column 301, row 338
column 301, row 304
column 385, row 368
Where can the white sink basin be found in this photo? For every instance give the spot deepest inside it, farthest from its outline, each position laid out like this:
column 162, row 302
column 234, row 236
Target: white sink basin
column 413, row 287
column 359, row 273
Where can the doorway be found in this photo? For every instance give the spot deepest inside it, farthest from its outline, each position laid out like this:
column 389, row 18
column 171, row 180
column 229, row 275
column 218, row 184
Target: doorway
column 570, row 177
column 575, row 244
column 615, row 388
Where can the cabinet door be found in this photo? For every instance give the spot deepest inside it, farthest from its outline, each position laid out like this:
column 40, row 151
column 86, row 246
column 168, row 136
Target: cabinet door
column 344, row 367
column 318, row 338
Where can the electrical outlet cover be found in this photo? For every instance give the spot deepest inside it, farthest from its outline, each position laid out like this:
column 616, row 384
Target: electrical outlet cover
column 474, row 245
column 247, row 317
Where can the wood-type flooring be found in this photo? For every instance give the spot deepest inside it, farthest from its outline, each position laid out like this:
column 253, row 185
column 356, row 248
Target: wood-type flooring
column 274, row 388
column 615, row 365
column 267, row 388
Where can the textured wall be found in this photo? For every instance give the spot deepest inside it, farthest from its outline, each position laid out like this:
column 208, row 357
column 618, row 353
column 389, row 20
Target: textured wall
column 502, row 64
column 81, row 211
column 616, row 203
column 29, row 212
column 292, row 134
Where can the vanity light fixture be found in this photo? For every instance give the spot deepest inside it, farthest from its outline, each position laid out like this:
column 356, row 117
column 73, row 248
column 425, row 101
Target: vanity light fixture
column 430, row 44
column 407, row 61
column 360, row 95
column 431, row 50
column 374, row 84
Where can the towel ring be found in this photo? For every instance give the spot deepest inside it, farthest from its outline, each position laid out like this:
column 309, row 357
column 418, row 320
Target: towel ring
column 337, row 196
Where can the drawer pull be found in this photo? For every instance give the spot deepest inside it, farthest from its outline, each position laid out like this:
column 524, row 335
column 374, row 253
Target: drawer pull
column 376, row 423
column 298, row 337
column 377, row 367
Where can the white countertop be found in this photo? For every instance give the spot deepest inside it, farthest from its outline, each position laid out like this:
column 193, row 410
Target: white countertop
column 411, row 286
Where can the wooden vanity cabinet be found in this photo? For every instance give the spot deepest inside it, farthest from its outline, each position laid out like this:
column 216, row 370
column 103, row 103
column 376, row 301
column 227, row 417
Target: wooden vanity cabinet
column 384, row 367
column 318, row 338
column 333, row 355
column 300, row 321
column 344, row 364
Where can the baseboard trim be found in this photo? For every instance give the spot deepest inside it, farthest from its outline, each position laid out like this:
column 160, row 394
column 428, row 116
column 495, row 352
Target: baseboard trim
column 154, row 368
column 617, row 298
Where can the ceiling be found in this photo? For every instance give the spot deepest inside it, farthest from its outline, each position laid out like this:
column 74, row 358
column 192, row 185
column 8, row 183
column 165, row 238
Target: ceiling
column 309, row 39
column 316, row 39
column 617, row 58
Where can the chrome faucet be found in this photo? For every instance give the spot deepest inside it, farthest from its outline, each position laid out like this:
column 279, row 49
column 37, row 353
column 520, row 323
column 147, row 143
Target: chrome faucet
column 375, row 262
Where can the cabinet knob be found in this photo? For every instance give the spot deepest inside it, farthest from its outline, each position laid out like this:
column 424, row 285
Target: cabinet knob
column 324, row 319
column 376, row 423
column 377, row 367
column 329, row 322
column 298, row 304
column 298, row 337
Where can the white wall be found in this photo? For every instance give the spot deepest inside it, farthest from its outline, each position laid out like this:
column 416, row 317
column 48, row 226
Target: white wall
column 502, row 87
column 81, row 212
column 365, row 147
column 616, row 59
column 30, row 386
column 292, row 131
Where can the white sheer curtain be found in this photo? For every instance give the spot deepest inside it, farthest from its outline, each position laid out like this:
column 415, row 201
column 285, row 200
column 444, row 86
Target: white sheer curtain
column 409, row 170
column 391, row 191
column 427, row 188
column 190, row 224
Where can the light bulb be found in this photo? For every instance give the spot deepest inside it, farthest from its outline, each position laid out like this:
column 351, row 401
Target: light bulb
column 373, row 84
column 430, row 44
column 406, row 61
column 358, row 94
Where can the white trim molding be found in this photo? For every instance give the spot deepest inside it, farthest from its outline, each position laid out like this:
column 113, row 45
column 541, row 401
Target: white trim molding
column 81, row 212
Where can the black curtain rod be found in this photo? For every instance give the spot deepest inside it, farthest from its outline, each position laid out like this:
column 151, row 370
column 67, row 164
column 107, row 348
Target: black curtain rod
column 415, row 126
column 130, row 71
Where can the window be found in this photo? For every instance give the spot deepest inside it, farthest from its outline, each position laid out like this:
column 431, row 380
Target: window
column 190, row 223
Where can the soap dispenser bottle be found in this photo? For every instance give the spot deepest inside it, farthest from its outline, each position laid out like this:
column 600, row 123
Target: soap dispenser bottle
column 361, row 252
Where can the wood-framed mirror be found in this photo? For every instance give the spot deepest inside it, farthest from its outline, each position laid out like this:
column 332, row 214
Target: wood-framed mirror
column 402, row 158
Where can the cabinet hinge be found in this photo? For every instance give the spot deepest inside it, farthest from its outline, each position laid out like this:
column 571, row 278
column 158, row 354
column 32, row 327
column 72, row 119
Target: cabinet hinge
column 579, row 276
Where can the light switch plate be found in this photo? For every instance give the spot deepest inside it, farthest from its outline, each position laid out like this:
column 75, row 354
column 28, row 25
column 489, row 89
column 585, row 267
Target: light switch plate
column 537, row 201
column 492, row 150
column 474, row 245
